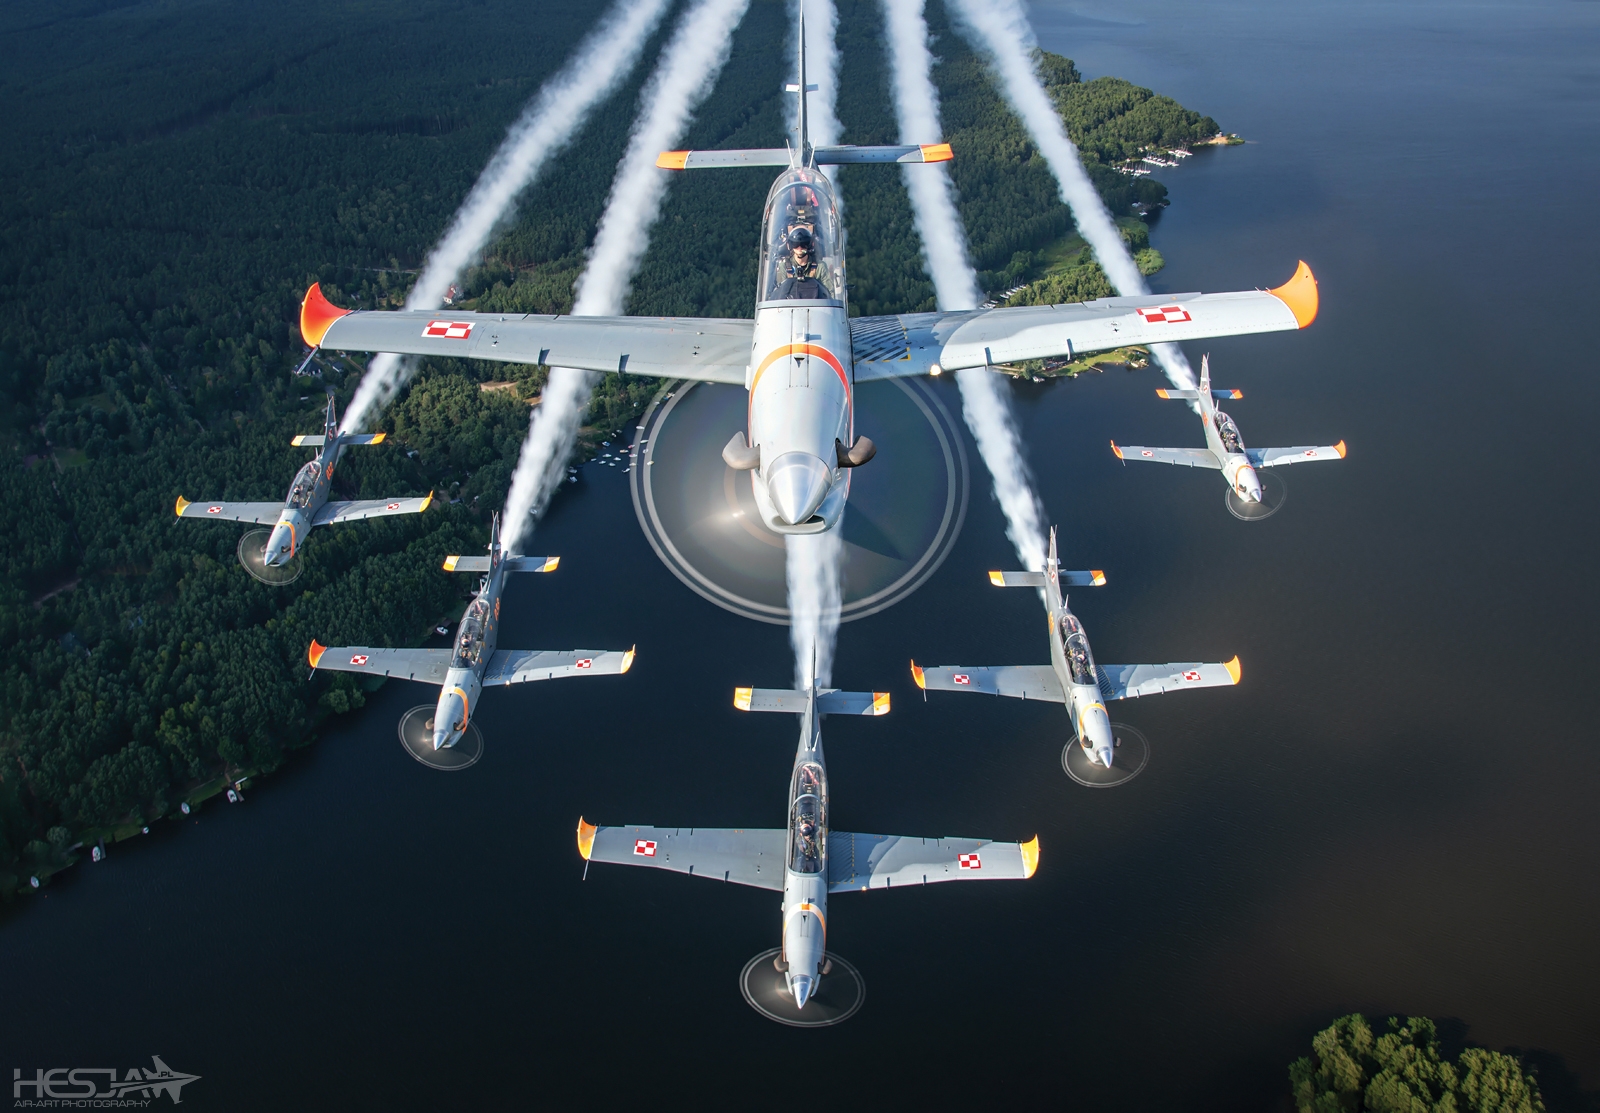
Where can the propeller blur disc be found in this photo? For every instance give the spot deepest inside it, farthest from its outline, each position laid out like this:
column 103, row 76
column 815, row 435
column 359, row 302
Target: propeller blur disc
column 1274, row 493
column 1127, row 762
column 905, row 511
column 416, row 734
column 838, row 995
column 252, row 553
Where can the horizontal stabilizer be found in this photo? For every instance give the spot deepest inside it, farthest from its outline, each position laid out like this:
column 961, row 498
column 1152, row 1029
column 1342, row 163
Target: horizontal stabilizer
column 1191, row 395
column 1184, row 457
column 860, row 862
column 1091, row 578
column 1133, row 681
column 1038, row 682
column 857, row 156
column 309, row 440
column 1278, row 457
column 531, row 564
column 454, row 563
column 707, row 160
column 365, row 438
column 829, row 701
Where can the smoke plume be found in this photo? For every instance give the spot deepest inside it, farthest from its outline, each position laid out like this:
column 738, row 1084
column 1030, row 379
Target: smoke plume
column 688, row 68
column 944, row 246
column 1000, row 30
column 546, row 125
column 812, row 570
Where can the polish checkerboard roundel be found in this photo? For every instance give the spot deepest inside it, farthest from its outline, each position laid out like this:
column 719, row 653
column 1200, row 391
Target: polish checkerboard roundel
column 449, row 330
column 586, row 663
column 1166, row 314
column 961, row 678
column 1311, row 452
column 644, row 848
column 213, row 510
column 393, row 506
column 969, row 861
column 359, row 659
column 1191, row 675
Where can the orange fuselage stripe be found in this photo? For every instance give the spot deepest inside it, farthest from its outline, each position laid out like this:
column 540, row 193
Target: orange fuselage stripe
column 801, row 349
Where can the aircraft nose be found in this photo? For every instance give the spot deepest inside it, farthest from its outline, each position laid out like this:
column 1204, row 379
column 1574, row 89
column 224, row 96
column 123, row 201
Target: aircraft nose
column 1105, row 756
column 801, row 986
column 797, row 482
column 445, row 717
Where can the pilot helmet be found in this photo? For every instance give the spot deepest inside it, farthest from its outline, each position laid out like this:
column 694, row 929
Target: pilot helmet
column 800, row 239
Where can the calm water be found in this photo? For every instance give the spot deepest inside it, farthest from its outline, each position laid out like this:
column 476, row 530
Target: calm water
column 1394, row 812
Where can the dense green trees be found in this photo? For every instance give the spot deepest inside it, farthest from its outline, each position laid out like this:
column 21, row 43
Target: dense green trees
column 174, row 181
column 1403, row 1071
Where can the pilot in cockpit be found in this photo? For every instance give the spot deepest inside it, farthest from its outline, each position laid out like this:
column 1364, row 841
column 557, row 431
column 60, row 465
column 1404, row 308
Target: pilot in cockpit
column 801, row 277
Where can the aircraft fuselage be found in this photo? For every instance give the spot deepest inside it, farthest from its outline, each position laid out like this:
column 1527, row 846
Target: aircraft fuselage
column 475, row 638
column 805, row 881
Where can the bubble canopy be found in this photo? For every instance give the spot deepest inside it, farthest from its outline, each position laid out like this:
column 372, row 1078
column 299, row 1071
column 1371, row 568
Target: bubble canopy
column 906, row 506
column 802, row 253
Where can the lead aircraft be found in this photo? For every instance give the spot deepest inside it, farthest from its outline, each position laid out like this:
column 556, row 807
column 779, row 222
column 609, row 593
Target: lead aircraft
column 307, row 503
column 805, row 860
column 802, row 356
column 473, row 663
column 1225, row 450
column 1072, row 677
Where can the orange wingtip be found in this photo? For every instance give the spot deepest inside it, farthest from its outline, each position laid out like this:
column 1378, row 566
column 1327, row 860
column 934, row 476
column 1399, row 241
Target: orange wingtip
column 916, row 674
column 1097, row 577
column 377, row 438
column 586, row 838
column 937, row 152
column 672, row 160
column 450, row 562
column 550, row 564
column 1030, row 856
column 1233, row 669
column 880, row 703
column 627, row 658
column 183, row 502
column 1340, row 449
column 741, row 698
column 314, row 654
column 998, row 579
column 1299, row 294
column 1160, row 393
column 1116, row 450
column 427, row 502
column 1235, row 394
column 317, row 313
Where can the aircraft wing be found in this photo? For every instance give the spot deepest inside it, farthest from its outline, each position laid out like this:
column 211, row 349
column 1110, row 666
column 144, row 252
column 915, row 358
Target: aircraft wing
column 1278, row 457
column 261, row 513
column 427, row 665
column 1185, row 457
column 710, row 349
column 333, row 512
column 893, row 861
column 522, row 666
column 1019, row 681
column 1133, row 681
column 912, row 343
column 742, row 856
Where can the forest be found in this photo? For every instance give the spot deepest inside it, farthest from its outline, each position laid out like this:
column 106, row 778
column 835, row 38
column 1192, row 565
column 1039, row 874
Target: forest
column 1406, row 1070
column 176, row 176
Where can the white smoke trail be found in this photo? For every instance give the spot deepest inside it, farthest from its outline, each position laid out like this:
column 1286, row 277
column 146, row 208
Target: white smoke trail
column 955, row 285
column 812, row 570
column 688, row 68
column 1000, row 29
column 546, row 125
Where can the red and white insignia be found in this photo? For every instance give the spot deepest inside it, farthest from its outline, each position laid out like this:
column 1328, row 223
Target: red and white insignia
column 213, row 510
column 969, row 861
column 393, row 506
column 961, row 678
column 644, row 848
column 1166, row 314
column 1191, row 675
column 1146, row 452
column 449, row 330
column 359, row 659
column 586, row 663
column 1311, row 452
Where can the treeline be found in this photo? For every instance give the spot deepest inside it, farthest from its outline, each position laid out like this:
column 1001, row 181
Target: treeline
column 174, row 181
column 1351, row 1070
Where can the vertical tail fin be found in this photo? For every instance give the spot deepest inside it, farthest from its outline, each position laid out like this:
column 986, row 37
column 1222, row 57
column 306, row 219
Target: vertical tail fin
column 494, row 531
column 330, row 425
column 1052, row 576
column 1205, row 375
